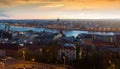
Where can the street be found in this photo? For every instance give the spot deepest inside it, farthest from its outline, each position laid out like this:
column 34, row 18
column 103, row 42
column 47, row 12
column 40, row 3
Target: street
column 21, row 64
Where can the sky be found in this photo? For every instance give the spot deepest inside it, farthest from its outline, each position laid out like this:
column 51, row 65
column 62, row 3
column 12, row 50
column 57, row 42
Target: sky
column 63, row 9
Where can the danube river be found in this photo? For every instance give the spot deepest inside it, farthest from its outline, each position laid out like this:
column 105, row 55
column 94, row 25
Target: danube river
column 67, row 32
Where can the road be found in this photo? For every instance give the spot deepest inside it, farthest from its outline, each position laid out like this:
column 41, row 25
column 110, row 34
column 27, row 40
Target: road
column 21, row 64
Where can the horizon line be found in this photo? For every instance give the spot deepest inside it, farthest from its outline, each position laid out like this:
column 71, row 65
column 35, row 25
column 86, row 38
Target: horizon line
column 66, row 19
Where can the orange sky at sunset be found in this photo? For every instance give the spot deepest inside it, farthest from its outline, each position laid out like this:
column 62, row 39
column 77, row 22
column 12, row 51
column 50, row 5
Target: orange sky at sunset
column 64, row 9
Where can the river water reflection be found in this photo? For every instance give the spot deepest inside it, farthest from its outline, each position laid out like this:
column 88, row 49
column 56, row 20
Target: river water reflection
column 67, row 32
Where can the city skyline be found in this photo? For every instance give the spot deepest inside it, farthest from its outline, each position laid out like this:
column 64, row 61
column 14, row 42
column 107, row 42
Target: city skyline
column 64, row 9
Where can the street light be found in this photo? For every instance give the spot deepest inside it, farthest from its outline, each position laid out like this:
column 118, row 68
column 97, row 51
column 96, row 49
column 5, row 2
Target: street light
column 64, row 60
column 23, row 55
column 80, row 53
column 3, row 63
column 33, row 59
column 109, row 61
column 40, row 50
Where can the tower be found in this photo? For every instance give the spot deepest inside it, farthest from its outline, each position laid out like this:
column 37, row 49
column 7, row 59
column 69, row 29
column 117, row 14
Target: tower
column 58, row 21
column 7, row 27
column 58, row 24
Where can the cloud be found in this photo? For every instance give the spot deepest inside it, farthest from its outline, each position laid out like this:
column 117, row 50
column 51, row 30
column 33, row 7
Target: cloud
column 68, row 4
column 53, row 6
column 56, row 7
column 3, row 14
column 32, row 0
column 12, row 3
column 113, row 0
column 5, row 3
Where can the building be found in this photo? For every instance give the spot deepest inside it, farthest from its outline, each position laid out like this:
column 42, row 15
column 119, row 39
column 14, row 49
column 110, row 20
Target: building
column 9, row 50
column 68, row 50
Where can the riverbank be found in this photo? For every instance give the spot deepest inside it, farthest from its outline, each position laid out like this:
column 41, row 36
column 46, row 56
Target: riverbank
column 99, row 29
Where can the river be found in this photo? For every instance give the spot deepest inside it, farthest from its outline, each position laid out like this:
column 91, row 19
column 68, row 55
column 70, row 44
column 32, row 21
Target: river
column 67, row 32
